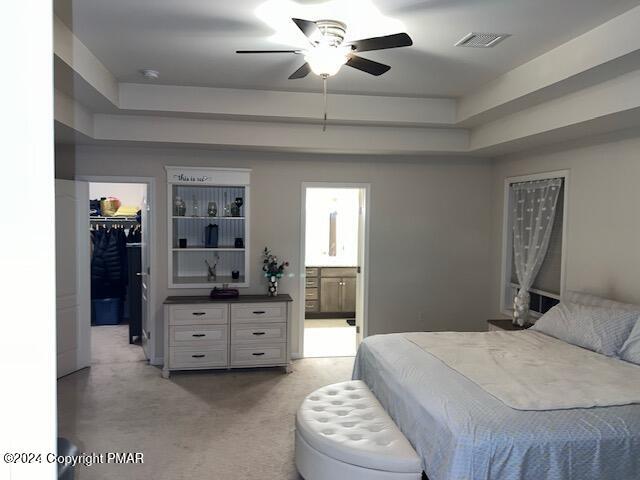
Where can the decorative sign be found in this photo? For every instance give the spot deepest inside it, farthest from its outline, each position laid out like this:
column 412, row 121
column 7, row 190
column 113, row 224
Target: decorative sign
column 185, row 178
column 208, row 176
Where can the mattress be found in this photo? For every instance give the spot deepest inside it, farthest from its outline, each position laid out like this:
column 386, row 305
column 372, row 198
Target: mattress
column 463, row 433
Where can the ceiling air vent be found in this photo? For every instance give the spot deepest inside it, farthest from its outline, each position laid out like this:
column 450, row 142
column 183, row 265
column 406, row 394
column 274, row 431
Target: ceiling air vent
column 481, row 40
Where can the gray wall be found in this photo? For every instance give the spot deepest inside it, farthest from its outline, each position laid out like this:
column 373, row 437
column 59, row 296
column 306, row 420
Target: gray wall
column 429, row 234
column 65, row 161
column 603, row 249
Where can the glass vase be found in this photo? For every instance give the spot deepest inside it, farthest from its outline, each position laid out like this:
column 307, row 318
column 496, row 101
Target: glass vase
column 273, row 286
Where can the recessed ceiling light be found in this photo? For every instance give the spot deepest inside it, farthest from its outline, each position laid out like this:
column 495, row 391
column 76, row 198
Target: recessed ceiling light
column 150, row 74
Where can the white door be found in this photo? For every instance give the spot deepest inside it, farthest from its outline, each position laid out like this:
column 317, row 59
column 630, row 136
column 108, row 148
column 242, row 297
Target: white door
column 148, row 338
column 73, row 310
column 361, row 274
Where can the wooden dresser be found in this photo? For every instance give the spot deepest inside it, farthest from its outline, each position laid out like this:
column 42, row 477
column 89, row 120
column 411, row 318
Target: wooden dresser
column 248, row 331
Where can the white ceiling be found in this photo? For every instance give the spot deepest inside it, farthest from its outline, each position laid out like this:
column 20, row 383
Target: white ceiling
column 192, row 42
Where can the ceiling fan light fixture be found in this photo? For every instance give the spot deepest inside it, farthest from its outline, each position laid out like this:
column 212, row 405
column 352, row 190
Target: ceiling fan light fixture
column 326, row 60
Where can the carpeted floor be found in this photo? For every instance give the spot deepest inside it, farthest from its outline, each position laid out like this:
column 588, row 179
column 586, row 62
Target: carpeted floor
column 200, row 425
column 329, row 338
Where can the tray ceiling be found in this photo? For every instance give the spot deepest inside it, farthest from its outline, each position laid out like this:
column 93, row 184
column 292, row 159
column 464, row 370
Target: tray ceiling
column 192, row 42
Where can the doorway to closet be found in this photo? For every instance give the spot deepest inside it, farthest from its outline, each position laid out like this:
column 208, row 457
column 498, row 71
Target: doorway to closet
column 104, row 286
column 334, row 253
column 119, row 267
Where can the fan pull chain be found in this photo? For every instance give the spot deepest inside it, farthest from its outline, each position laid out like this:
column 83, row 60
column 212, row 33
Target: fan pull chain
column 324, row 121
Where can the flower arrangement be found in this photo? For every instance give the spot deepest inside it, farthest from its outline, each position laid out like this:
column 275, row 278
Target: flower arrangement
column 272, row 270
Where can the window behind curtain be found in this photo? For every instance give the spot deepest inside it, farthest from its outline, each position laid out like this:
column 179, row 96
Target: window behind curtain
column 545, row 291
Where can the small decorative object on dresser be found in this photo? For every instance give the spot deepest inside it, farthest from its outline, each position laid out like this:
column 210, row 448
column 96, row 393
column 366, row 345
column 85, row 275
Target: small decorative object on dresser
column 505, row 325
column 272, row 271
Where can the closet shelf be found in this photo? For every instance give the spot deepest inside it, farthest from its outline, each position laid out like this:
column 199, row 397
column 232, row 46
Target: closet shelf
column 112, row 219
column 205, row 249
column 207, row 218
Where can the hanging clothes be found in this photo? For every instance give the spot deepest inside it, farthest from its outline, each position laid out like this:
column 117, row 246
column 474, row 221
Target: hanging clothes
column 135, row 234
column 109, row 267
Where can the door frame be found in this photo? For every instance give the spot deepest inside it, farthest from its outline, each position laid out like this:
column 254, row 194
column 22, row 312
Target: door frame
column 154, row 359
column 364, row 243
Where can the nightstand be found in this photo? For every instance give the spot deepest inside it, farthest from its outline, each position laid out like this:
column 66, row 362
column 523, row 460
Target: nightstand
column 505, row 325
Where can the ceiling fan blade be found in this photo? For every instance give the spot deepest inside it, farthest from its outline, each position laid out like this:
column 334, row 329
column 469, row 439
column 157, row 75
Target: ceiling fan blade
column 302, row 72
column 268, row 51
column 381, row 43
column 368, row 66
column 309, row 28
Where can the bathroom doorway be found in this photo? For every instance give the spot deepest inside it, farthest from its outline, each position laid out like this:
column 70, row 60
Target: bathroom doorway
column 334, row 254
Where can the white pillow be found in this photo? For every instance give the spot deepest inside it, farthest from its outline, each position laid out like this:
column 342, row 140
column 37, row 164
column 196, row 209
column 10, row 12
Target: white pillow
column 595, row 301
column 601, row 329
column 630, row 351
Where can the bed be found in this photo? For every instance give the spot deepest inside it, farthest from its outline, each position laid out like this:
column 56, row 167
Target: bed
column 461, row 432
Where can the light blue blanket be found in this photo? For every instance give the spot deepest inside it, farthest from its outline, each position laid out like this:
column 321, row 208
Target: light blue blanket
column 463, row 433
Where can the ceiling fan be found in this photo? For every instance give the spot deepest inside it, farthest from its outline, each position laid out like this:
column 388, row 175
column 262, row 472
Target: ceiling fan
column 328, row 52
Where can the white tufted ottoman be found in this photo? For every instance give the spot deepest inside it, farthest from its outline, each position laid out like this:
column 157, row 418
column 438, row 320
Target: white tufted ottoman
column 343, row 433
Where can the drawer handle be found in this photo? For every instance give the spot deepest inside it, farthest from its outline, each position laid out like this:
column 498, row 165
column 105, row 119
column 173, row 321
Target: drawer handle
column 258, row 333
column 199, row 335
column 259, row 312
column 199, row 314
column 258, row 354
column 198, row 356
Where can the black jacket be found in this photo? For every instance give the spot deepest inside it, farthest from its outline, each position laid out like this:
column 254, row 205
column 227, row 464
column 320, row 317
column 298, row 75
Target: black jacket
column 109, row 275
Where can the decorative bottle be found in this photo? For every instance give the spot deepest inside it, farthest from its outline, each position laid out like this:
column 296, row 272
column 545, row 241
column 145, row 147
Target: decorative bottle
column 227, row 207
column 195, row 207
column 180, row 207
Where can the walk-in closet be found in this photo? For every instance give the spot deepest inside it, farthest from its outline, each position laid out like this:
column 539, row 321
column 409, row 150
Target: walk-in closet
column 116, row 213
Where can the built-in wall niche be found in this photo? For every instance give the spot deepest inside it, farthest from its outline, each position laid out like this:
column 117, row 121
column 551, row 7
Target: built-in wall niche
column 208, row 225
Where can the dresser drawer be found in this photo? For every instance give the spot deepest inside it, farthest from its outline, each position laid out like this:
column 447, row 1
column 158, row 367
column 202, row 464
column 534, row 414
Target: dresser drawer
column 197, row 335
column 311, row 271
column 197, row 357
column 311, row 294
column 311, row 306
column 198, row 314
column 250, row 333
column 258, row 312
column 311, row 282
column 272, row 354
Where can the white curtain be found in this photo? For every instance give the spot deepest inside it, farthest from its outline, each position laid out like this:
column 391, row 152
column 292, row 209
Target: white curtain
column 534, row 208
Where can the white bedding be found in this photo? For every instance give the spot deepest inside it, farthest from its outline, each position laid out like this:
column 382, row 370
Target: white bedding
column 531, row 371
